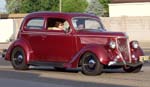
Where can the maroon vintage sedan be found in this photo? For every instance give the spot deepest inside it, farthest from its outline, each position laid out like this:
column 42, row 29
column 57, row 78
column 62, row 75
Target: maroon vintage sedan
column 81, row 41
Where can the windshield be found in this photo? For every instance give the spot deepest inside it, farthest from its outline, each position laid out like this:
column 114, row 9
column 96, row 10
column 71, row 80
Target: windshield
column 83, row 23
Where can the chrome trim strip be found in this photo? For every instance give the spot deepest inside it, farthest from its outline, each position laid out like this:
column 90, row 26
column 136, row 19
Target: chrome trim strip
column 129, row 50
column 102, row 36
column 45, row 33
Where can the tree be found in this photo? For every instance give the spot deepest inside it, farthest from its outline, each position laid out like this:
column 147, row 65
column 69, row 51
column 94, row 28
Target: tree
column 105, row 6
column 27, row 6
column 74, row 5
column 38, row 5
column 13, row 6
column 95, row 7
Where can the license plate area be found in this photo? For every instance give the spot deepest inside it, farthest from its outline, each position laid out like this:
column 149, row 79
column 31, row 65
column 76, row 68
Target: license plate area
column 144, row 59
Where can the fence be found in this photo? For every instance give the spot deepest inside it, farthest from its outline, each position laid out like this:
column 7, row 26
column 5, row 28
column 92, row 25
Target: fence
column 136, row 27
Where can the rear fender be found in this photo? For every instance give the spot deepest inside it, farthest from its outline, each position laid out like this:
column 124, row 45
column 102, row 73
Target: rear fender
column 98, row 50
column 24, row 45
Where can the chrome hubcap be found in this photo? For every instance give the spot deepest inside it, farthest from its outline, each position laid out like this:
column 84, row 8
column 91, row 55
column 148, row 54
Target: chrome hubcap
column 20, row 58
column 91, row 63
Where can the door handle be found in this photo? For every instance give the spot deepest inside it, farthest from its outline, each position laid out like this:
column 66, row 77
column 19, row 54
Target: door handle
column 44, row 36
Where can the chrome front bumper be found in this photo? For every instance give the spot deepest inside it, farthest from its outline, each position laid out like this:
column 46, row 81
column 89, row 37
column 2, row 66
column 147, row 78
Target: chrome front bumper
column 113, row 63
column 142, row 60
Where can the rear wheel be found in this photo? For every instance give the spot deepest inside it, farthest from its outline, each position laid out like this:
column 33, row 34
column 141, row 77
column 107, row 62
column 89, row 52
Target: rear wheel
column 18, row 59
column 91, row 65
column 133, row 69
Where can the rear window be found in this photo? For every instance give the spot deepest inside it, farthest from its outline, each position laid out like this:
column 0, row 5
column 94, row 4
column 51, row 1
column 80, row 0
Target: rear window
column 35, row 23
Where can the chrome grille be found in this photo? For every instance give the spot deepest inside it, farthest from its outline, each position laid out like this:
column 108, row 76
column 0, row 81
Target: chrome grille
column 123, row 48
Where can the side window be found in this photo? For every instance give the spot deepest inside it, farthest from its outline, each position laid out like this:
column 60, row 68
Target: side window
column 35, row 23
column 57, row 24
column 83, row 23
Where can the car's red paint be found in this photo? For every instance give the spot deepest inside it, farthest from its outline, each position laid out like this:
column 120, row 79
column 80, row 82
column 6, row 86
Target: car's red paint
column 69, row 47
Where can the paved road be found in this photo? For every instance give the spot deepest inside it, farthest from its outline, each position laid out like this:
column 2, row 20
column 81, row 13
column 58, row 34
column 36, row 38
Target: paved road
column 48, row 77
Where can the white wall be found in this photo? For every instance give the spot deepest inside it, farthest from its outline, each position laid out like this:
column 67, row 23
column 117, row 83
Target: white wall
column 129, row 9
column 6, row 30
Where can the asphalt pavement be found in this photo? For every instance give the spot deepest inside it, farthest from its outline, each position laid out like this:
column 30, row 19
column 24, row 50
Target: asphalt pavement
column 49, row 77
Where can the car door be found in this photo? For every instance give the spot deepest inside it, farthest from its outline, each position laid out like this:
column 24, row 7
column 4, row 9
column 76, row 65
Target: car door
column 35, row 35
column 60, row 45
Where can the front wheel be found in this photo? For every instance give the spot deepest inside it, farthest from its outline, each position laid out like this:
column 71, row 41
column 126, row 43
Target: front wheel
column 133, row 69
column 18, row 59
column 91, row 65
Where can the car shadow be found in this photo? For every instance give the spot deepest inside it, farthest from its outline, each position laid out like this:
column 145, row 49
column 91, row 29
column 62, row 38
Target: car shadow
column 74, row 70
column 51, row 69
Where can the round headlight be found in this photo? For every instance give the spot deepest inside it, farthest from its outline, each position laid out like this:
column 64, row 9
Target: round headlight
column 135, row 44
column 112, row 45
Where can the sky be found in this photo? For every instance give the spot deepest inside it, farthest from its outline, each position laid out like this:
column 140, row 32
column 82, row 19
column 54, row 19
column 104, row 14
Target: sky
column 2, row 6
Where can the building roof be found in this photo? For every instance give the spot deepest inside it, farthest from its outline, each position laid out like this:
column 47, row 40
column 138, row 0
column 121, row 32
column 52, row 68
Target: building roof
column 128, row 1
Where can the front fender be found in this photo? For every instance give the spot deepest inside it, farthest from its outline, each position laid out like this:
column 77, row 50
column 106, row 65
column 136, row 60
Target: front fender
column 98, row 50
column 24, row 45
column 137, row 52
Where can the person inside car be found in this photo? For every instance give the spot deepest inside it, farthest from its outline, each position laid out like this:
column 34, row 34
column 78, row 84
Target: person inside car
column 58, row 26
column 80, row 24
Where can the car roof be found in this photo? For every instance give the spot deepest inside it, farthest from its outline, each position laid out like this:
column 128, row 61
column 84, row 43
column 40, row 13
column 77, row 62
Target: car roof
column 47, row 13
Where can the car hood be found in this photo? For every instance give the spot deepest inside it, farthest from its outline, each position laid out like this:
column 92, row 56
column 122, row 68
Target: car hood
column 98, row 37
column 102, row 34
